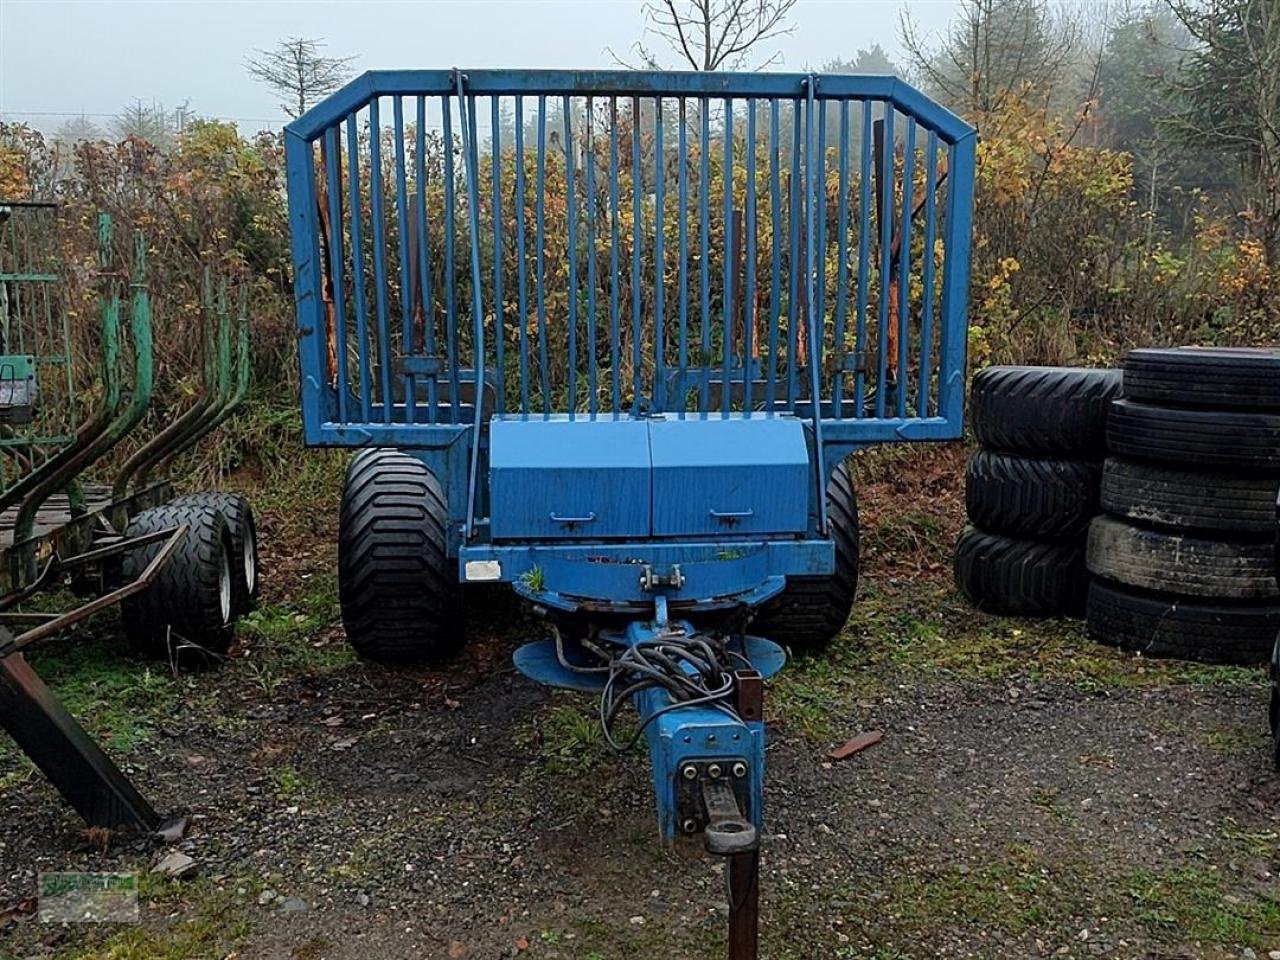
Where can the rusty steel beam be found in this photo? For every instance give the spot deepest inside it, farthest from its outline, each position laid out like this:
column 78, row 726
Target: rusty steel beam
column 64, row 751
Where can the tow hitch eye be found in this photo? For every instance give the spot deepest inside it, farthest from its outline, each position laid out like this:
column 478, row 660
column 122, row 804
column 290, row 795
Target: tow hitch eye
column 728, row 831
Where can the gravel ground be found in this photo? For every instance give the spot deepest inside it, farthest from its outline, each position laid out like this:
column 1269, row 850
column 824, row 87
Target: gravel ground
column 1033, row 796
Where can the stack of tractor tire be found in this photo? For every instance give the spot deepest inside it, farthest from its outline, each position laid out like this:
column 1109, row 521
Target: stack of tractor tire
column 1032, row 488
column 1184, row 558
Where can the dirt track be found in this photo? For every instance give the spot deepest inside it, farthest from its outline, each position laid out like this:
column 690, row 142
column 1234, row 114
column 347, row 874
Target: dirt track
column 1034, row 796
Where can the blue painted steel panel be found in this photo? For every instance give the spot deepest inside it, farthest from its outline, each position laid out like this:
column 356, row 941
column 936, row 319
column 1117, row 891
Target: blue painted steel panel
column 737, row 476
column 413, row 274
column 713, row 573
column 557, row 479
column 693, row 734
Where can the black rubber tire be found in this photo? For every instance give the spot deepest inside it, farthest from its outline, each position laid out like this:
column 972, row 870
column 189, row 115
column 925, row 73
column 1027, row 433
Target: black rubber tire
column 1020, row 578
column 1057, row 412
column 1216, row 439
column 399, row 591
column 1273, row 706
column 1277, row 536
column 1179, row 564
column 1245, row 378
column 1238, row 504
column 1274, row 672
column 183, row 613
column 1031, row 498
column 1204, row 631
column 811, row 611
column 243, row 528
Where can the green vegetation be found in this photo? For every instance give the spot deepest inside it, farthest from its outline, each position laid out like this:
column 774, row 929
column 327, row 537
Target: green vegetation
column 119, row 699
column 301, row 633
column 1020, row 891
column 534, row 579
column 566, row 737
column 290, row 784
column 213, row 924
column 926, row 629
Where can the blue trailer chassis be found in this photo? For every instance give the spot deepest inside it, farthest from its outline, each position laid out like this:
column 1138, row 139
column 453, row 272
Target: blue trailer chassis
column 632, row 322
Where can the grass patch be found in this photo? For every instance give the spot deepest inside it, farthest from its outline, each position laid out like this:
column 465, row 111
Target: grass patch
column 818, row 694
column 900, row 632
column 290, row 634
column 566, row 737
column 214, row 923
column 597, row 939
column 1198, row 903
column 119, row 699
column 933, row 627
column 291, row 785
column 1023, row 892
column 1014, row 894
column 1233, row 740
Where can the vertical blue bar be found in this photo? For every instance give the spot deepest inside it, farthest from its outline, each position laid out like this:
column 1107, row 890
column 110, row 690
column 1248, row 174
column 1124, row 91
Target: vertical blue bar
column 307, row 280
column 379, row 252
column 357, row 267
column 333, row 180
column 793, row 290
column 402, row 226
column 864, row 266
column 637, row 185
column 571, row 214
column 521, row 268
column 955, row 281
column 660, row 265
column 726, row 335
column 815, row 319
column 450, row 279
column 842, row 266
column 683, row 359
column 543, row 361
column 615, row 334
column 593, row 405
column 749, row 293
column 818, row 265
column 904, row 265
column 775, row 234
column 499, row 302
column 886, row 265
column 926, row 305
column 704, row 210
column 471, row 155
column 424, row 270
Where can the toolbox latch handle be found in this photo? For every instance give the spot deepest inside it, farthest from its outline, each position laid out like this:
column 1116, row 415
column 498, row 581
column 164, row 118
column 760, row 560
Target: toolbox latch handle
column 556, row 518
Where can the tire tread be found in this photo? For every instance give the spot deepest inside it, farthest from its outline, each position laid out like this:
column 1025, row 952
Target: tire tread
column 1164, row 626
column 399, row 595
column 1020, row 578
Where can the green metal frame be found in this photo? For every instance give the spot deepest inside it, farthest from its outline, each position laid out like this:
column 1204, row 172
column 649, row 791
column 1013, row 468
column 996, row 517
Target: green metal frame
column 116, row 424
column 48, row 540
column 217, row 402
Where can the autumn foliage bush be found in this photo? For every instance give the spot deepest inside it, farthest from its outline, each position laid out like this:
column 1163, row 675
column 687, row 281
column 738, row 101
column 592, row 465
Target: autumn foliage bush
column 1067, row 267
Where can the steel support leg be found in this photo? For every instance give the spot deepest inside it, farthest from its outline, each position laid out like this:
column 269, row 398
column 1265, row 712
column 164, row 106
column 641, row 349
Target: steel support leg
column 742, row 876
column 64, row 751
column 742, row 872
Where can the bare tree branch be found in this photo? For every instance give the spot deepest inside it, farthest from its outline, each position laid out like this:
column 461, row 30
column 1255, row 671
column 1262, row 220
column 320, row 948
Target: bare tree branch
column 297, row 72
column 716, row 34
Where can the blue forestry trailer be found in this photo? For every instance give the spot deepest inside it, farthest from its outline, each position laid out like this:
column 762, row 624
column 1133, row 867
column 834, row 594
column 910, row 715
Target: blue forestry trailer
column 609, row 337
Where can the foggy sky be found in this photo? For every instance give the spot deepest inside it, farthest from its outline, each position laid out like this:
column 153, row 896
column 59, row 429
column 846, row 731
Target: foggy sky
column 96, row 56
